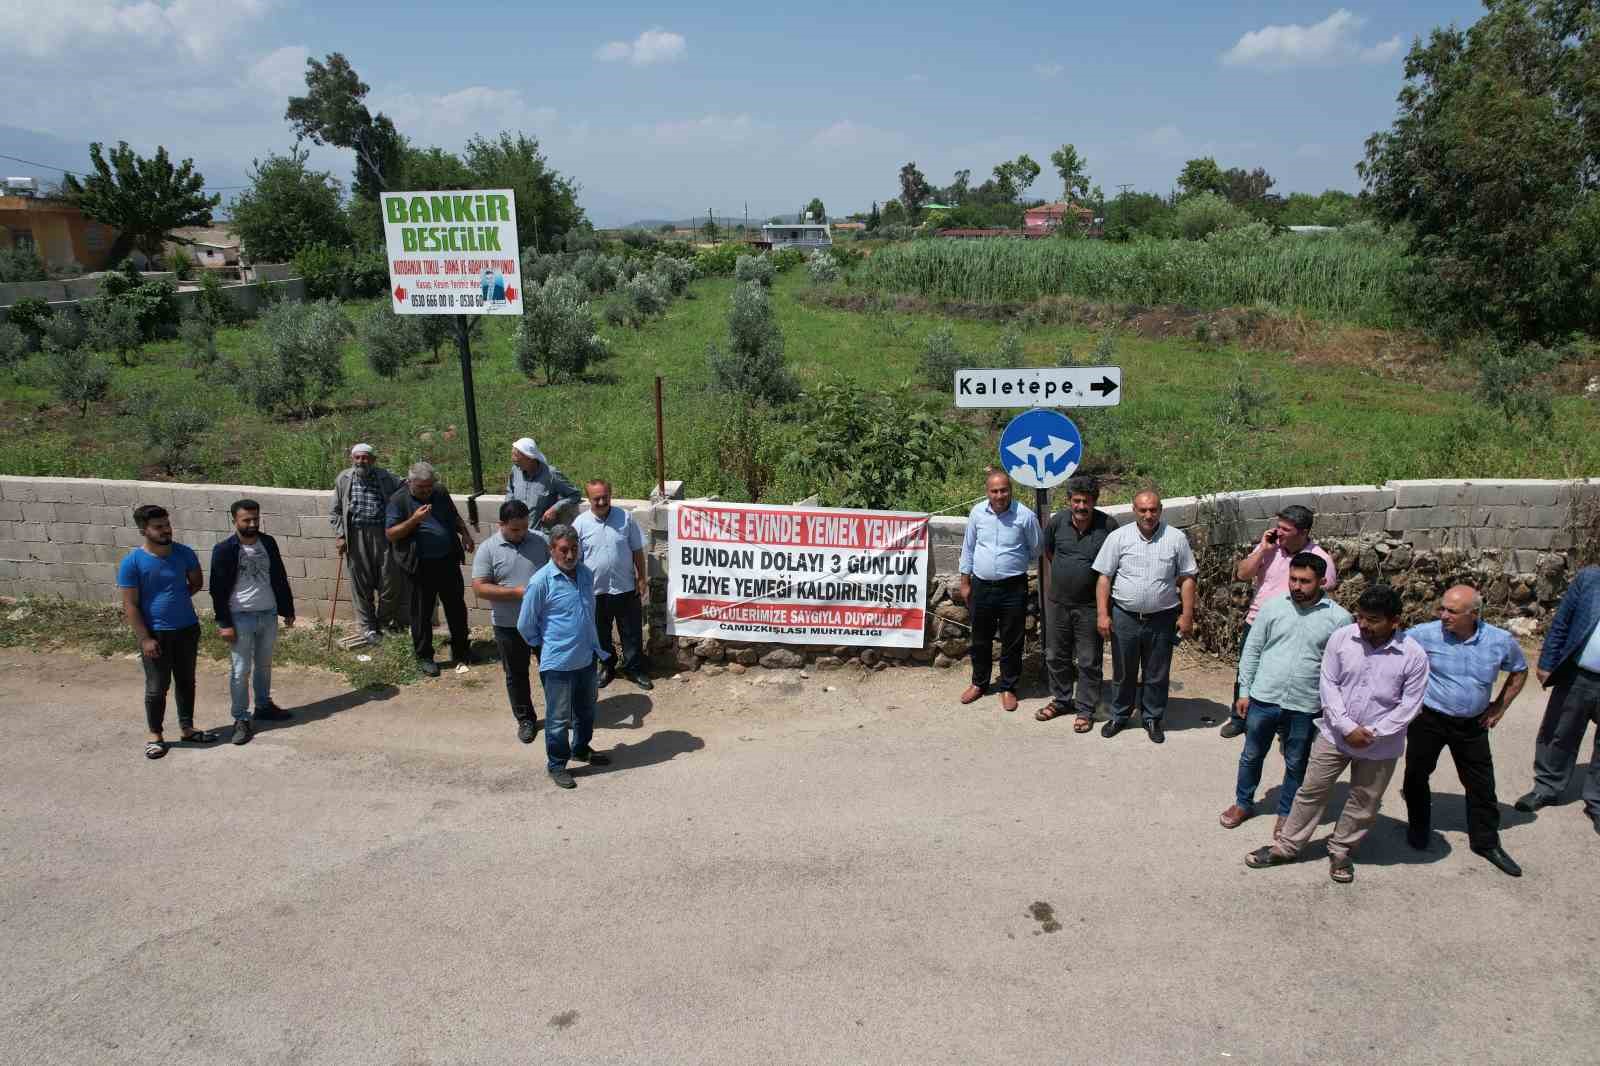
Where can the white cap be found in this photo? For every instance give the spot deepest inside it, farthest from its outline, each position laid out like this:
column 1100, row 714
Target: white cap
column 526, row 446
column 362, row 449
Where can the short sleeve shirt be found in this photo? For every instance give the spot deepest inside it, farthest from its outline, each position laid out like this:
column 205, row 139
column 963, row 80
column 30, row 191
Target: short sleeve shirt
column 608, row 549
column 163, row 585
column 511, row 565
column 1072, row 576
column 1462, row 673
column 1144, row 573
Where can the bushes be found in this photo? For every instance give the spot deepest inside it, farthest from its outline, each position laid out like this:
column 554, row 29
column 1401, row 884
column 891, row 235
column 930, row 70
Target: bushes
column 198, row 333
column 874, row 449
column 30, row 314
column 76, row 376
column 718, row 262
column 112, row 325
column 753, row 365
column 557, row 334
column 675, row 274
column 941, row 358
column 1205, row 213
column 154, row 303
column 342, row 272
column 298, row 360
column 14, row 346
column 823, row 268
column 786, row 259
column 172, row 426
column 646, row 295
column 756, row 268
column 21, row 264
column 390, row 340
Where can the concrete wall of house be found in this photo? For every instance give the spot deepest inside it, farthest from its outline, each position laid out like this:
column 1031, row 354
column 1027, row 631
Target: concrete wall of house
column 1513, row 538
column 64, row 296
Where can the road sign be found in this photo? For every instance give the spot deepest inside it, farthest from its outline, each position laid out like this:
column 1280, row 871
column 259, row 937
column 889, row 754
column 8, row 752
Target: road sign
column 1052, row 386
column 1041, row 448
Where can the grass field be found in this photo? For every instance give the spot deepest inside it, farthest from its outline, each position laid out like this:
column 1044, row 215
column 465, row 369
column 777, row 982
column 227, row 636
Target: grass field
column 1194, row 418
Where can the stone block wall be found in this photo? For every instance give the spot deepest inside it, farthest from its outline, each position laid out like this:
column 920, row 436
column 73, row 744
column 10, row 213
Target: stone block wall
column 1519, row 541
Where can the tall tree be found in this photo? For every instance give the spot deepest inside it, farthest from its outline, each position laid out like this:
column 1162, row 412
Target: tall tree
column 547, row 202
column 1014, row 177
column 1493, row 162
column 1202, row 175
column 914, row 190
column 816, row 209
column 958, row 188
column 287, row 207
column 145, row 199
column 873, row 218
column 431, row 168
column 1074, row 171
column 332, row 112
column 1247, row 188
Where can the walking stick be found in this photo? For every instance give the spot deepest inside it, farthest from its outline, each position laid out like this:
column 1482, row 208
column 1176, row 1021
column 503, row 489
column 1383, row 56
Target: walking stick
column 333, row 608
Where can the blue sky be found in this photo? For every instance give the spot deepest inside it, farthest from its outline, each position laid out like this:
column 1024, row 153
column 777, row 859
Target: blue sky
column 668, row 110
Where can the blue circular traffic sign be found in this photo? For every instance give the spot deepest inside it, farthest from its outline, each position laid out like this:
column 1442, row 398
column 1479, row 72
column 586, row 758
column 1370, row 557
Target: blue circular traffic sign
column 1041, row 448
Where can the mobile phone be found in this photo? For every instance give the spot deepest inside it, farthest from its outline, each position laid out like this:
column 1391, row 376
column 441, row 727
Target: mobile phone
column 1272, row 536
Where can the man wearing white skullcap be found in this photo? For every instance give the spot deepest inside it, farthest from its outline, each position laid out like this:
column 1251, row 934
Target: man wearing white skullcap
column 360, row 495
column 536, row 483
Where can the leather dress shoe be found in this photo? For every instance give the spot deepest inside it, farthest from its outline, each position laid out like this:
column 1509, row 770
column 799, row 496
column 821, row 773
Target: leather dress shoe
column 1113, row 726
column 1233, row 817
column 1498, row 858
column 1232, row 727
column 1417, row 838
column 1533, row 801
column 1157, row 734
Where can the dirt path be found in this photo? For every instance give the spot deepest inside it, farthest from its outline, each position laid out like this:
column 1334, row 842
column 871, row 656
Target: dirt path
column 841, row 868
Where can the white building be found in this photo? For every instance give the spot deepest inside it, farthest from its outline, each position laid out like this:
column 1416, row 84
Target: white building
column 776, row 235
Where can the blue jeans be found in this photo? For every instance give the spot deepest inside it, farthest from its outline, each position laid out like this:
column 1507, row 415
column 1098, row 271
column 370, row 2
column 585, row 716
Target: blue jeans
column 257, row 634
column 1296, row 730
column 569, row 697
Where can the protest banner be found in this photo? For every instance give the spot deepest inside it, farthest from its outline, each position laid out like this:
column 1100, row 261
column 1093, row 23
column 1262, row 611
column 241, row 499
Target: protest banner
column 453, row 253
column 797, row 575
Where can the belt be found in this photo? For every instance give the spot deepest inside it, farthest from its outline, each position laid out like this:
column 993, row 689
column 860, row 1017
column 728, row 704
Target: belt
column 1012, row 580
column 1144, row 616
column 1590, row 674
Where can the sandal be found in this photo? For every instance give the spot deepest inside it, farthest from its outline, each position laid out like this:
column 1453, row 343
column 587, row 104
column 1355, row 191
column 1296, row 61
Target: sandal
column 1050, row 711
column 1082, row 724
column 1342, row 872
column 201, row 736
column 154, row 749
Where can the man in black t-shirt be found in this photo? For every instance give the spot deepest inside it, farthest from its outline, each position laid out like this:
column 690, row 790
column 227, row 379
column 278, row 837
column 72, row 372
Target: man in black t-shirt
column 1074, row 649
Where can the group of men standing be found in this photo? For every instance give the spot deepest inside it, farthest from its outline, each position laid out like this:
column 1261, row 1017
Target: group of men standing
column 555, row 595
column 1335, row 691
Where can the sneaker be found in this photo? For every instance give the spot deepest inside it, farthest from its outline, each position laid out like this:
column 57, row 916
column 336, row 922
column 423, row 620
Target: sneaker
column 562, row 778
column 1233, row 727
column 526, row 729
column 590, row 756
column 607, row 675
column 428, row 667
column 642, row 681
column 374, row 637
column 242, row 731
column 271, row 712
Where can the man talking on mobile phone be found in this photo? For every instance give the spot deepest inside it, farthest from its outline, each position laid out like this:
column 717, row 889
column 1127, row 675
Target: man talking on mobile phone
column 1268, row 567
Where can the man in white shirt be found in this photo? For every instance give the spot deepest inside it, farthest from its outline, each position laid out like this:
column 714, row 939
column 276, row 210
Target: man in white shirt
column 613, row 548
column 1144, row 601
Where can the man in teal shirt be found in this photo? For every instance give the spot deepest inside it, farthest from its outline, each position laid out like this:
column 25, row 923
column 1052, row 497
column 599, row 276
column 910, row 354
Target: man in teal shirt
column 1279, row 674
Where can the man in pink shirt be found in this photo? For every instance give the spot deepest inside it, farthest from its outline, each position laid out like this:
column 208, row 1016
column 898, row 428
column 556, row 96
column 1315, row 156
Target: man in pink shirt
column 1373, row 681
column 1268, row 567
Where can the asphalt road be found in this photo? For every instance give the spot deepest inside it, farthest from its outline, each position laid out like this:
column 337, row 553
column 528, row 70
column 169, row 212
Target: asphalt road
column 840, row 869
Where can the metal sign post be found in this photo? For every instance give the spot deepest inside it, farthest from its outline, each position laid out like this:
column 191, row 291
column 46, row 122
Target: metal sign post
column 464, row 343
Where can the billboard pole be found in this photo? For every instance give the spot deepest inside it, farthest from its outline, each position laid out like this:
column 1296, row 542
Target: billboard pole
column 464, row 343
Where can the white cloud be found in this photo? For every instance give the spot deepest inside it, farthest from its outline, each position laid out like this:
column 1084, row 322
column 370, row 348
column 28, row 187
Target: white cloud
column 848, row 133
column 448, row 119
column 1048, row 70
column 1333, row 41
column 198, row 28
column 281, row 72
column 654, row 45
column 717, row 129
column 1163, row 138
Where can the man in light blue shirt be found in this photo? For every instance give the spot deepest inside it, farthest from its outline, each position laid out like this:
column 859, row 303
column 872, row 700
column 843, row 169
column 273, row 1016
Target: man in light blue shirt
column 613, row 550
column 1280, row 674
column 1465, row 657
column 1001, row 542
column 558, row 617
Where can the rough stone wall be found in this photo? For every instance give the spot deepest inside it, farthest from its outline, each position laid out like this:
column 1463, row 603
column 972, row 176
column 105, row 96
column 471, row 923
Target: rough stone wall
column 1520, row 541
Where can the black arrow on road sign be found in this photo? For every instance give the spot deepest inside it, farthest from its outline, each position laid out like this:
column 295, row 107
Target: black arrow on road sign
column 1105, row 385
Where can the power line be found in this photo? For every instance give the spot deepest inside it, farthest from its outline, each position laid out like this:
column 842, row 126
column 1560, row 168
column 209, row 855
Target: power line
column 81, row 174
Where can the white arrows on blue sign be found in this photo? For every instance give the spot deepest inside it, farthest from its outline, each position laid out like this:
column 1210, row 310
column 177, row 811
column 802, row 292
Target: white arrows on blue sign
column 1041, row 448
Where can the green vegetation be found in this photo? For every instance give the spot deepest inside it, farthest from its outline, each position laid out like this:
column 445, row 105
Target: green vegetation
column 1334, row 277
column 1338, row 421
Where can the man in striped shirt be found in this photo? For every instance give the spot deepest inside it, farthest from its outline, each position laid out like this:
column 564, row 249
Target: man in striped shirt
column 1144, row 600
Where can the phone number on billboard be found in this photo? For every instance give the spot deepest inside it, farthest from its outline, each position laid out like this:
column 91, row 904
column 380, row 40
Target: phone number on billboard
column 419, row 299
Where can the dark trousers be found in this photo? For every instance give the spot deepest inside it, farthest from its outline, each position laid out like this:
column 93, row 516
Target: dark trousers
column 1233, row 708
column 622, row 608
column 1574, row 703
column 1468, row 741
column 436, row 580
column 515, row 657
column 179, row 647
column 1073, row 654
column 1141, row 661
column 998, row 606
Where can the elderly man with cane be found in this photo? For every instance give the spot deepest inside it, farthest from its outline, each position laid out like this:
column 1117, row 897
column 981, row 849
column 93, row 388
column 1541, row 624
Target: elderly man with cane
column 377, row 583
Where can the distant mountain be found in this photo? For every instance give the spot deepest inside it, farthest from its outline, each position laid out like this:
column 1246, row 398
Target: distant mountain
column 723, row 221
